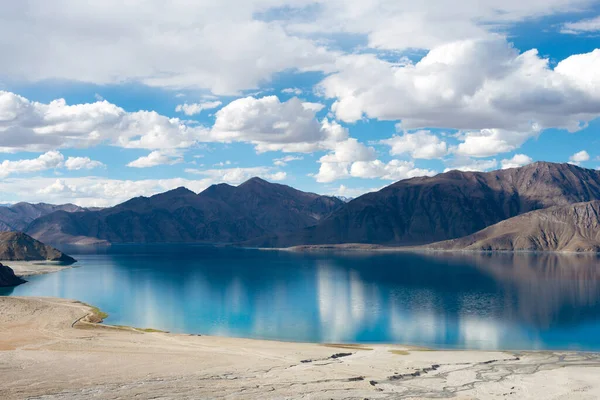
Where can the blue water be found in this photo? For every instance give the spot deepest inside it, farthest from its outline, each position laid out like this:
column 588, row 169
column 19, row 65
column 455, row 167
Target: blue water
column 446, row 301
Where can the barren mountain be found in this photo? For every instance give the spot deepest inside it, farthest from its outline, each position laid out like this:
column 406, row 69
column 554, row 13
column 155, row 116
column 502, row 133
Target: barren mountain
column 574, row 227
column 17, row 246
column 18, row 216
column 446, row 206
column 222, row 213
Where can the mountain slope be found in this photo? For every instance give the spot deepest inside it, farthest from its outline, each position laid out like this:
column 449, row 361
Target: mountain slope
column 574, row 227
column 17, row 246
column 18, row 216
column 222, row 213
column 450, row 205
column 277, row 208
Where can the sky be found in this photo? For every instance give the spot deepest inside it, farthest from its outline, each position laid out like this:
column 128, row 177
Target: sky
column 102, row 101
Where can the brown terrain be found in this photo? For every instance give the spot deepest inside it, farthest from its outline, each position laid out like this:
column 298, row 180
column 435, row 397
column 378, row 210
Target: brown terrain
column 447, row 206
column 17, row 246
column 568, row 228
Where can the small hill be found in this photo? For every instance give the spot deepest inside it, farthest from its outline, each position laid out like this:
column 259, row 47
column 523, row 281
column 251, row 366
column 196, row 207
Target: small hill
column 17, row 246
column 8, row 277
column 573, row 228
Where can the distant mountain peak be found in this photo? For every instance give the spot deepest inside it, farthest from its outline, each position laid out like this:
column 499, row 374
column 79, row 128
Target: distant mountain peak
column 182, row 190
column 256, row 180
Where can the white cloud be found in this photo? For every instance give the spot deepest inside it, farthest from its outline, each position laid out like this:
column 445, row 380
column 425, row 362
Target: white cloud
column 517, row 161
column 394, row 170
column 155, row 158
column 220, row 46
column 283, row 161
column 420, row 144
column 351, row 192
column 197, row 108
column 470, row 165
column 33, row 126
column 271, row 125
column 470, row 85
column 294, row 91
column 46, row 161
column 49, row 160
column 590, row 25
column 351, row 158
column 77, row 163
column 90, row 191
column 239, row 175
column 579, row 157
column 489, row 142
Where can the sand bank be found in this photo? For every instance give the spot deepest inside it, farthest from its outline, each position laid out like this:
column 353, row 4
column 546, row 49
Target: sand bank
column 30, row 268
column 49, row 351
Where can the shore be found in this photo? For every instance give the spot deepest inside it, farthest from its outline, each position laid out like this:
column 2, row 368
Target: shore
column 31, row 268
column 51, row 348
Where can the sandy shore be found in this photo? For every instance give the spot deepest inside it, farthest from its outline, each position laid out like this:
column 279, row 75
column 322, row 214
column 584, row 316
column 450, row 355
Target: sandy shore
column 49, row 351
column 30, row 268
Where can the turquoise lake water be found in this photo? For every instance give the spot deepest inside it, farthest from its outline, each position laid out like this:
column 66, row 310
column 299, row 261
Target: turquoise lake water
column 447, row 301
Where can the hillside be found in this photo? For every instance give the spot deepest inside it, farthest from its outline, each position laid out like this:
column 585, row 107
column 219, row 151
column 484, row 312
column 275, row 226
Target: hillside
column 222, row 213
column 17, row 246
column 446, row 206
column 574, row 227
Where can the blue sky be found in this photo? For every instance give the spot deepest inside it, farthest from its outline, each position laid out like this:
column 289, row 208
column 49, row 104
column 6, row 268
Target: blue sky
column 103, row 102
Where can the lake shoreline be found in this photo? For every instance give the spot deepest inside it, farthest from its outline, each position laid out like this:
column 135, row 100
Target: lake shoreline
column 367, row 248
column 71, row 356
column 23, row 269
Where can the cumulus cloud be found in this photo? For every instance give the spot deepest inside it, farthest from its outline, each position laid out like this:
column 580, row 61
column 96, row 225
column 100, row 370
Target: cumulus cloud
column 49, row 160
column 420, row 144
column 239, row 175
column 46, row 161
column 518, row 160
column 220, row 46
column 32, row 126
column 353, row 159
column 155, row 158
column 197, row 108
column 271, row 125
column 489, row 142
column 77, row 163
column 481, row 86
column 590, row 25
column 579, row 157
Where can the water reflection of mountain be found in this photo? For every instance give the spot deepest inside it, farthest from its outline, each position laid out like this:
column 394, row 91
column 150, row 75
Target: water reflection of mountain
column 540, row 290
column 447, row 300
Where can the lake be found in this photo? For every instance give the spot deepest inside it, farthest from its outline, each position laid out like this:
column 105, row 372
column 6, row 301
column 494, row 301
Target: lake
column 478, row 301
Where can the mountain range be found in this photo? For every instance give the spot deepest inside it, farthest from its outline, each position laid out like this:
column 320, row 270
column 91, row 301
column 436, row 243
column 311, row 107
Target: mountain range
column 18, row 216
column 488, row 210
column 220, row 214
column 447, row 206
